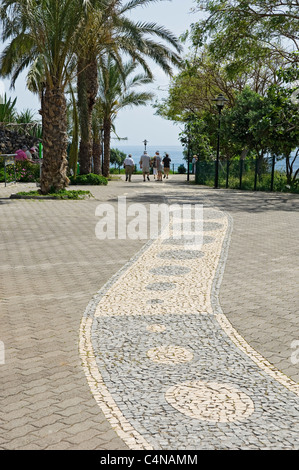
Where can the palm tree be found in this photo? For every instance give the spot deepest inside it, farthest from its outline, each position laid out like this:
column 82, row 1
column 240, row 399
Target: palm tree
column 97, row 137
column 116, row 92
column 108, row 30
column 47, row 31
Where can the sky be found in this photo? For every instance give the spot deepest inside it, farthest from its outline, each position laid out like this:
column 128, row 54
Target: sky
column 139, row 123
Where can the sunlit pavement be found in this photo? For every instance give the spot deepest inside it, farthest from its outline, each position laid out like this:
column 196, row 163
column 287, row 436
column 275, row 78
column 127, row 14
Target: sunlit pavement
column 148, row 344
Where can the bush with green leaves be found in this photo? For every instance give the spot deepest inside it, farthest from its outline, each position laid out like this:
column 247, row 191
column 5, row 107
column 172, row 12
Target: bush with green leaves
column 26, row 172
column 89, row 179
column 182, row 169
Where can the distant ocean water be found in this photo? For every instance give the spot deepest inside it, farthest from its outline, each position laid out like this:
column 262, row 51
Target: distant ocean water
column 176, row 154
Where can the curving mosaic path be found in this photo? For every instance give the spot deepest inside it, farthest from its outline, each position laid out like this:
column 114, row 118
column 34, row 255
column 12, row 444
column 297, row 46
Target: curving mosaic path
column 167, row 368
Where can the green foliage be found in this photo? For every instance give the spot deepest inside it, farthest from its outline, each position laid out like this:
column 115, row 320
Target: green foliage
column 26, row 172
column 206, row 175
column 117, row 86
column 25, row 117
column 8, row 109
column 117, row 157
column 181, row 169
column 246, row 29
column 62, row 194
column 89, row 179
column 197, row 136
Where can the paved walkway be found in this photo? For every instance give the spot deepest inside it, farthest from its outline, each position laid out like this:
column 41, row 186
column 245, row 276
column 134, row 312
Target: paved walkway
column 135, row 344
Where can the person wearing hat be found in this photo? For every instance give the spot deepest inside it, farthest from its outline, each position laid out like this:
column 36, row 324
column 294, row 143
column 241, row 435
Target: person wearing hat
column 145, row 165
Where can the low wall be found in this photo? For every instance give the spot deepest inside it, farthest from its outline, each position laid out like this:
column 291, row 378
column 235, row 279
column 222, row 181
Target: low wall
column 10, row 140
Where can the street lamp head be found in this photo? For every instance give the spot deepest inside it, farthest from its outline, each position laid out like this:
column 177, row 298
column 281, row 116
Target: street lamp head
column 220, row 100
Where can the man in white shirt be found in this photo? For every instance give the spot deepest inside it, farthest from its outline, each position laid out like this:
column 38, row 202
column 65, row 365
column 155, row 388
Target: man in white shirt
column 129, row 167
column 145, row 165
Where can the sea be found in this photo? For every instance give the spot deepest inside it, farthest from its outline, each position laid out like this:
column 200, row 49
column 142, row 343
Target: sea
column 176, row 154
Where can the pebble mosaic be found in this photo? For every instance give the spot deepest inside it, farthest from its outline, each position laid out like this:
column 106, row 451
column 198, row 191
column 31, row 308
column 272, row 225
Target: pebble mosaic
column 164, row 364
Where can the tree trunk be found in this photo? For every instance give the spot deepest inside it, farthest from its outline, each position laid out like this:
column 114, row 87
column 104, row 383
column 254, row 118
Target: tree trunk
column 97, row 157
column 107, row 139
column 87, row 92
column 54, row 117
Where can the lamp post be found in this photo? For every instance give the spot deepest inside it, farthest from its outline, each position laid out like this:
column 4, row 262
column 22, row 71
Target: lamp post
column 220, row 102
column 188, row 163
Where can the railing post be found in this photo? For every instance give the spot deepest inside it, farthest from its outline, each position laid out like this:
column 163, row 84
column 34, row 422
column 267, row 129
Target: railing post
column 241, row 171
column 272, row 174
column 255, row 173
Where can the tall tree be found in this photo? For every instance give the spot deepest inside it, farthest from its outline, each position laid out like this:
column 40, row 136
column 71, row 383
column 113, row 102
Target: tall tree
column 116, row 92
column 109, row 30
column 244, row 29
column 48, row 30
column 97, row 137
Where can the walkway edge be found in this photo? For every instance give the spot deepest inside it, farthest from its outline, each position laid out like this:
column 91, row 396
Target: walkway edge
column 227, row 327
column 96, row 383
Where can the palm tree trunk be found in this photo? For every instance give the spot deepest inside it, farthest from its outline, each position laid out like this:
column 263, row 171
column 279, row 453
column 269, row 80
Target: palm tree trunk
column 107, row 140
column 54, row 117
column 97, row 157
column 87, row 92
column 85, row 140
column 73, row 152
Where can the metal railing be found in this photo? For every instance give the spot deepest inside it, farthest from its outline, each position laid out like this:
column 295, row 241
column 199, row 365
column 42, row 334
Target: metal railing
column 9, row 159
column 257, row 174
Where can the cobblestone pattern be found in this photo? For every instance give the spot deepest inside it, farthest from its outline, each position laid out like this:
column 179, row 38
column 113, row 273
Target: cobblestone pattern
column 175, row 375
column 51, row 265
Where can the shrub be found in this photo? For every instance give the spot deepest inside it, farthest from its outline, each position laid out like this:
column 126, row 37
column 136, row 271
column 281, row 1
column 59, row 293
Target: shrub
column 26, row 172
column 116, row 171
column 181, row 169
column 89, row 179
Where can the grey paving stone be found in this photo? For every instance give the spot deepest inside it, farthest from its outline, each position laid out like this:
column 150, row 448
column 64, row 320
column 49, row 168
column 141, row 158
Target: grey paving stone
column 51, row 266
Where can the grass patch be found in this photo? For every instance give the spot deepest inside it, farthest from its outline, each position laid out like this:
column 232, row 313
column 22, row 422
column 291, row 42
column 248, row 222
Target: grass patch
column 63, row 194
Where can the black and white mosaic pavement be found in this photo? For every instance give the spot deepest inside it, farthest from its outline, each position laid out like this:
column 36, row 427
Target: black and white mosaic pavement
column 165, row 367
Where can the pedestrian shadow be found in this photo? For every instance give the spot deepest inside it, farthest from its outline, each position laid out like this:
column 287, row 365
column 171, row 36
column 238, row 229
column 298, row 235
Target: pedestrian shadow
column 5, row 200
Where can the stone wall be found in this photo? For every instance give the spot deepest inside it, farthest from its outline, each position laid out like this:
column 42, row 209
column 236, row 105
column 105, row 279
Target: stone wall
column 11, row 141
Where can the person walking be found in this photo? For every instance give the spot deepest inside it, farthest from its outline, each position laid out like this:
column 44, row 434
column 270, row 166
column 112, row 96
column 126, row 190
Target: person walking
column 159, row 166
column 154, row 166
column 145, row 165
column 166, row 163
column 129, row 167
